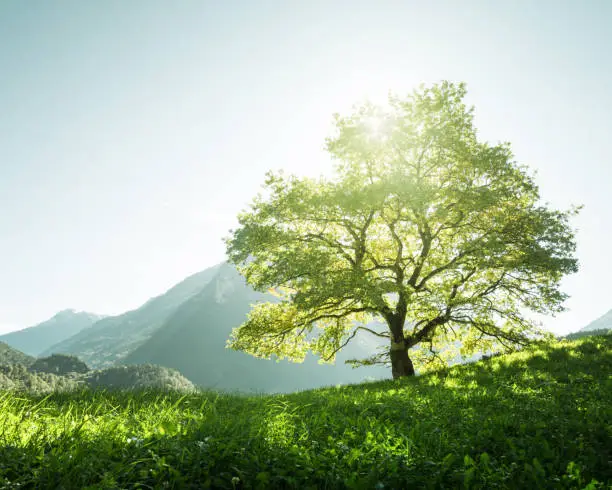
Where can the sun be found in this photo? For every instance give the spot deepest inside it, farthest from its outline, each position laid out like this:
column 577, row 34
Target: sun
column 376, row 126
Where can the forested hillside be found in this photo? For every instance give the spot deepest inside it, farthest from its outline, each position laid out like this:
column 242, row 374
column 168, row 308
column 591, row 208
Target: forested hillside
column 10, row 355
column 60, row 373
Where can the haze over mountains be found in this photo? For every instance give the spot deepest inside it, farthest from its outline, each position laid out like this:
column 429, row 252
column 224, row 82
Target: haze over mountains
column 111, row 339
column 187, row 328
column 193, row 341
column 34, row 340
column 602, row 323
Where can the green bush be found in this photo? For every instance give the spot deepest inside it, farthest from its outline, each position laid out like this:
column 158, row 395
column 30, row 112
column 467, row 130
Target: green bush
column 59, row 364
column 17, row 377
column 139, row 376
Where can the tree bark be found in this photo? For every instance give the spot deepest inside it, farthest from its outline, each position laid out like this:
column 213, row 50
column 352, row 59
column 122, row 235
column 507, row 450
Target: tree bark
column 401, row 364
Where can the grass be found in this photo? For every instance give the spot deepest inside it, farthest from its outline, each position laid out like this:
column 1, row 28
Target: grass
column 540, row 418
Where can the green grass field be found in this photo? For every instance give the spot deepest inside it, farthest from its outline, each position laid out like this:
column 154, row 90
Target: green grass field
column 541, row 418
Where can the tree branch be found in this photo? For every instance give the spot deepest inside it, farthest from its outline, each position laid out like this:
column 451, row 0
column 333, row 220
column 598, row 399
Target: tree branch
column 340, row 347
column 373, row 332
column 425, row 235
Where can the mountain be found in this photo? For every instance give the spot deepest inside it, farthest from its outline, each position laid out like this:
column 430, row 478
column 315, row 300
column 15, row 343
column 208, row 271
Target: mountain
column 192, row 340
column 35, row 340
column 9, row 355
column 112, row 338
column 602, row 323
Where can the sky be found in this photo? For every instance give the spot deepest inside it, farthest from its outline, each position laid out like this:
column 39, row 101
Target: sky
column 132, row 133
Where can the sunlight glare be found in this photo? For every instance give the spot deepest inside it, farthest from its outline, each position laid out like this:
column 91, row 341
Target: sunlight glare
column 375, row 126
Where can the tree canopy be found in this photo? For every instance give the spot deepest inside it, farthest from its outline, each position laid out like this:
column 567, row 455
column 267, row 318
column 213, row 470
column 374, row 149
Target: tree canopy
column 439, row 236
column 59, row 364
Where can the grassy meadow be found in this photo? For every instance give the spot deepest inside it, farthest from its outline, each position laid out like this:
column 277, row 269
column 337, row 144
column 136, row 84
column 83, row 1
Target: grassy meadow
column 541, row 418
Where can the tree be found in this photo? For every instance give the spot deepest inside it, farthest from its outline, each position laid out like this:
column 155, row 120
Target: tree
column 59, row 364
column 440, row 236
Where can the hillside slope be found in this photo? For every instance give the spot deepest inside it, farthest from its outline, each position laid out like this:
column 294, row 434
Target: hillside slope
column 539, row 418
column 604, row 322
column 193, row 341
column 112, row 338
column 39, row 380
column 38, row 338
column 9, row 355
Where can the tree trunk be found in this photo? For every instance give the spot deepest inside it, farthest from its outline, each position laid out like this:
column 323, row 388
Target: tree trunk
column 401, row 365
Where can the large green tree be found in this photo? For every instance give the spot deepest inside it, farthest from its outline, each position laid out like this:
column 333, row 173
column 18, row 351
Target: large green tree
column 439, row 236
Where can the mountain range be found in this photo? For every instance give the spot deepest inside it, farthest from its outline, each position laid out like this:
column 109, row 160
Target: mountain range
column 36, row 339
column 109, row 340
column 187, row 329
column 193, row 341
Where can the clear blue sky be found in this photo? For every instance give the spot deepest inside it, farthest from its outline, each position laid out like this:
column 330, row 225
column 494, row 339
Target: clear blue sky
column 131, row 133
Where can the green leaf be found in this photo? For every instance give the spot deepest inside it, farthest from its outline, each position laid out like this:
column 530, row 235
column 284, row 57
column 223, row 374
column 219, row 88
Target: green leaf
column 424, row 234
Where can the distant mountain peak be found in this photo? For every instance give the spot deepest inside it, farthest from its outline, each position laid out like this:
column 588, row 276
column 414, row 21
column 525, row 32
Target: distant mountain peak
column 64, row 324
column 193, row 341
column 74, row 312
column 113, row 337
column 603, row 322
